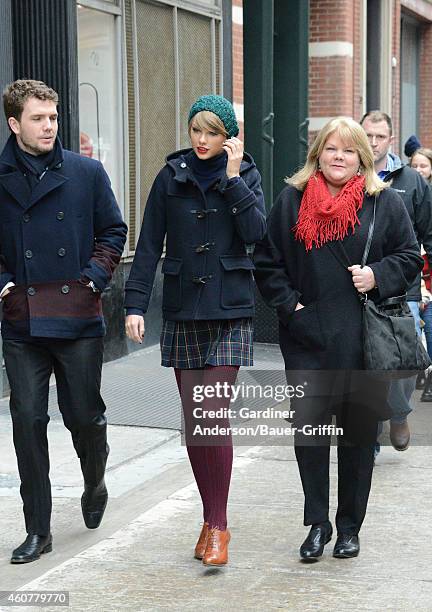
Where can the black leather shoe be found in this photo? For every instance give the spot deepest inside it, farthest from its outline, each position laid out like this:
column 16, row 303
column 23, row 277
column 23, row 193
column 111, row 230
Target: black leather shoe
column 313, row 547
column 420, row 380
column 32, row 548
column 93, row 504
column 426, row 396
column 400, row 435
column 346, row 546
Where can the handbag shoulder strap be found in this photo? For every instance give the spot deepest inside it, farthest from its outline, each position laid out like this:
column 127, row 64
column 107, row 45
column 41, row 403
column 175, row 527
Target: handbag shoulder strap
column 366, row 249
column 370, row 236
column 394, row 301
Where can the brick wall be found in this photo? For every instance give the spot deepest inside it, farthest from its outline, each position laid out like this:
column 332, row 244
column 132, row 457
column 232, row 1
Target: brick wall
column 331, row 20
column 330, row 86
column 331, row 69
column 335, row 80
column 425, row 123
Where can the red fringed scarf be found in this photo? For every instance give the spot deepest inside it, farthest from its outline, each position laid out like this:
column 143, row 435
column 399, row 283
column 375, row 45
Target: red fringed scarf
column 323, row 217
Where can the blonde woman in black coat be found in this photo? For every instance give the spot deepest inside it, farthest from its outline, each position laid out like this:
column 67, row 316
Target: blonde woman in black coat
column 308, row 269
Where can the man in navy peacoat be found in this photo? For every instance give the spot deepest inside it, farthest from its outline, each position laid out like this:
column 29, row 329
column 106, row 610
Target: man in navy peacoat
column 61, row 237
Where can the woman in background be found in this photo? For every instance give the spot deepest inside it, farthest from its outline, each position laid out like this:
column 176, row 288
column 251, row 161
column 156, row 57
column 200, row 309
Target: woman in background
column 421, row 161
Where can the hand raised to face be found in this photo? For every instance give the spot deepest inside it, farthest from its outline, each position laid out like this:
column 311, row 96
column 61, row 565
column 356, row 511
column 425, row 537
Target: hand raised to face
column 234, row 149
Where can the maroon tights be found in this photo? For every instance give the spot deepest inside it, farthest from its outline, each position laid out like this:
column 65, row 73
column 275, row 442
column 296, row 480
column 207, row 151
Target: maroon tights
column 211, row 464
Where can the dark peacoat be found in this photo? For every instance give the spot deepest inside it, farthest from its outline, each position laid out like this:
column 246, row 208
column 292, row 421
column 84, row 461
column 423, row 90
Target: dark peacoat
column 53, row 240
column 416, row 194
column 327, row 333
column 207, row 271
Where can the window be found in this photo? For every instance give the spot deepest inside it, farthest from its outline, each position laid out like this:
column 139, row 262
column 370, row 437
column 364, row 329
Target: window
column 178, row 59
column 133, row 118
column 101, row 134
column 409, row 78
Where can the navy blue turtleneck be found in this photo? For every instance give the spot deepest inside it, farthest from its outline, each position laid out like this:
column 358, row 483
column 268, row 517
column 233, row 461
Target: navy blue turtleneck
column 208, row 171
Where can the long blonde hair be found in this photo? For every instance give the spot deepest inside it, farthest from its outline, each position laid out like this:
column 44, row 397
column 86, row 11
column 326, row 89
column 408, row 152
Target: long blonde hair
column 350, row 132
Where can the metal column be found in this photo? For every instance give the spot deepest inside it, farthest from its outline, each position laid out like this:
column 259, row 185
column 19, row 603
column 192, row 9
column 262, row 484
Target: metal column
column 6, row 76
column 276, row 103
column 258, row 19
column 6, row 64
column 290, row 87
column 45, row 48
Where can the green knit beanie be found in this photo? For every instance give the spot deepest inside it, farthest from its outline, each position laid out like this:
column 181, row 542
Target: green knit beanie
column 221, row 107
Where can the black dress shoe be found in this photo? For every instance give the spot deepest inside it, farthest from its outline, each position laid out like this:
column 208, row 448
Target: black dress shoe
column 313, row 547
column 420, row 380
column 32, row 548
column 93, row 504
column 400, row 435
column 426, row 396
column 346, row 546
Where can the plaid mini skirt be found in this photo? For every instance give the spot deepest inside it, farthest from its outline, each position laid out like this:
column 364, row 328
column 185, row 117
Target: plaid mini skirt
column 195, row 344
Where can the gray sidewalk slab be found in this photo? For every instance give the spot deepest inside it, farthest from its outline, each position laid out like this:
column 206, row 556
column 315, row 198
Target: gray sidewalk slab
column 141, row 558
column 147, row 563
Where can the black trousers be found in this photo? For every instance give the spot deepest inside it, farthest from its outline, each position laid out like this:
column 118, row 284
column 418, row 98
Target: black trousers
column 77, row 365
column 355, row 460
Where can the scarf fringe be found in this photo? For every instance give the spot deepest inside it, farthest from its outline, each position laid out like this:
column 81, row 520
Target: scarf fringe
column 323, row 218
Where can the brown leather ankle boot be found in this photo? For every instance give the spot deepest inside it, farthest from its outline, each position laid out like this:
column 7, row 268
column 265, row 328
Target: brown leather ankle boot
column 216, row 552
column 202, row 542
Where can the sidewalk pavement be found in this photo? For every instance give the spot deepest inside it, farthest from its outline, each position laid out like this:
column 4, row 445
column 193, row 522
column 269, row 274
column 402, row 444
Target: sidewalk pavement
column 141, row 558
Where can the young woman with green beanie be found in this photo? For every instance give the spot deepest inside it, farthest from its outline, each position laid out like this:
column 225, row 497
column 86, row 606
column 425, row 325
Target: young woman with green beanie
column 208, row 204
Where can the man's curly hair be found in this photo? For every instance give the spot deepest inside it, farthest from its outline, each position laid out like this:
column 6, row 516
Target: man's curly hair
column 17, row 93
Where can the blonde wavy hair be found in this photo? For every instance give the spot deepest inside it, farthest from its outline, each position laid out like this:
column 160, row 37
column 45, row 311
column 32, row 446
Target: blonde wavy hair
column 352, row 134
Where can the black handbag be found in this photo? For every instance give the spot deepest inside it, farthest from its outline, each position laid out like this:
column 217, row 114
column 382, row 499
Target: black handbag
column 390, row 341
column 391, row 345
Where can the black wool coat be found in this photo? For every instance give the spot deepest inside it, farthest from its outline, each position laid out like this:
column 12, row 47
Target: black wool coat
column 327, row 333
column 416, row 194
column 207, row 271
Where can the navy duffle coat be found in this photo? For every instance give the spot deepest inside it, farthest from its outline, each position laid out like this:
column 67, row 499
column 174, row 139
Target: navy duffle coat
column 207, row 271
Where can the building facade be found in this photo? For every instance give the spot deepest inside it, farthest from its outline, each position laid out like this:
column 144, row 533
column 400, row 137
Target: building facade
column 128, row 70
column 362, row 55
